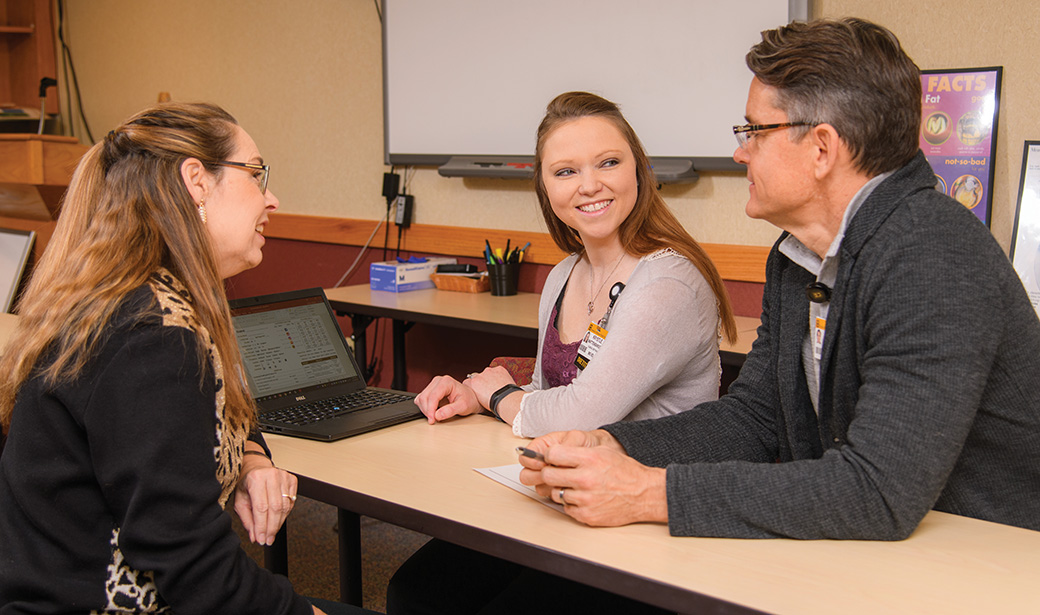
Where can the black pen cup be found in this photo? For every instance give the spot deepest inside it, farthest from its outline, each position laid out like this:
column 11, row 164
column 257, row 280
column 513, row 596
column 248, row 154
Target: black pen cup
column 503, row 278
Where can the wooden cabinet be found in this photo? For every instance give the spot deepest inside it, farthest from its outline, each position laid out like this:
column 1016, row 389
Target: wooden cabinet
column 34, row 172
column 34, row 169
column 26, row 53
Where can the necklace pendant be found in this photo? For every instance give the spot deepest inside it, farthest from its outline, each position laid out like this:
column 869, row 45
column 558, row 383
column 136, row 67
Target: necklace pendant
column 606, row 278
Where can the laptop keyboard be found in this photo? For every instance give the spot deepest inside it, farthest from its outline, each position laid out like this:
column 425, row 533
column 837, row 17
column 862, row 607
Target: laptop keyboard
column 313, row 412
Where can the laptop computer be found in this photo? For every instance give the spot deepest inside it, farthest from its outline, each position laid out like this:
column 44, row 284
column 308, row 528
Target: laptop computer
column 301, row 373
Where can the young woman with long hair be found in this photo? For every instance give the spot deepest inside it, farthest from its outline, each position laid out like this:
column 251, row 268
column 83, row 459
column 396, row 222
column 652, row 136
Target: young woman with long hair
column 659, row 356
column 601, row 203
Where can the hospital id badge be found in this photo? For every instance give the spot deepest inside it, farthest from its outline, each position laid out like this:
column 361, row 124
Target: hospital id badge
column 819, row 331
column 590, row 345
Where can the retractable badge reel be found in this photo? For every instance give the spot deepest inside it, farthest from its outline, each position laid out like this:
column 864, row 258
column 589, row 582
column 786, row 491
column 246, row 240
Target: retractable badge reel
column 597, row 333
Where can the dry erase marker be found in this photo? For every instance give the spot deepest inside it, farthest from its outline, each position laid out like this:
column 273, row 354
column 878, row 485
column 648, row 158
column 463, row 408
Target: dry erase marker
column 526, row 452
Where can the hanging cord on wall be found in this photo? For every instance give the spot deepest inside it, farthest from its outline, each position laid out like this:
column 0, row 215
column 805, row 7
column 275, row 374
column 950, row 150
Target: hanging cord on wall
column 386, row 232
column 67, row 100
column 409, row 172
column 364, row 248
column 69, row 65
column 390, row 194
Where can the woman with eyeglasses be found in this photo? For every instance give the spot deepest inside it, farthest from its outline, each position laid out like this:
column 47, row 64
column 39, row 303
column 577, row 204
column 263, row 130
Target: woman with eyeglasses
column 128, row 425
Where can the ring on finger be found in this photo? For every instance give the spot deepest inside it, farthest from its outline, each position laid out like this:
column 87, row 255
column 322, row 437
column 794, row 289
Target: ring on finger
column 562, row 501
column 292, row 498
column 470, row 375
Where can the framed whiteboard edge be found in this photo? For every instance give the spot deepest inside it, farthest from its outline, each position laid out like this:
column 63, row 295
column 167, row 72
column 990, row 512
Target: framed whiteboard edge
column 797, row 10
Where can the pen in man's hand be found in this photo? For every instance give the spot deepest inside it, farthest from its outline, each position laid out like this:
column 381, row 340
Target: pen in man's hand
column 526, row 452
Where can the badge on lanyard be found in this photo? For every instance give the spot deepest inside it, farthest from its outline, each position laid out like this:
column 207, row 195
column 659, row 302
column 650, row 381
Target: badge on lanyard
column 818, row 332
column 597, row 332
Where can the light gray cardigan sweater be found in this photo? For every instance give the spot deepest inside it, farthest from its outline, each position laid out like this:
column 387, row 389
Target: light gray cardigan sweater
column 661, row 355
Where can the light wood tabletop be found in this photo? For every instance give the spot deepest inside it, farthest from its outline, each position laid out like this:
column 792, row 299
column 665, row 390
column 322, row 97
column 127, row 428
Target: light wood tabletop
column 422, row 476
column 515, row 315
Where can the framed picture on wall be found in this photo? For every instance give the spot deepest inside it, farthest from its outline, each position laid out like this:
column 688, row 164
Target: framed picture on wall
column 1025, row 240
column 959, row 113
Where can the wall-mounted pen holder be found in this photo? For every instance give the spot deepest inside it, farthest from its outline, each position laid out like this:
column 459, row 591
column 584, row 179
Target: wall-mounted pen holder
column 504, row 278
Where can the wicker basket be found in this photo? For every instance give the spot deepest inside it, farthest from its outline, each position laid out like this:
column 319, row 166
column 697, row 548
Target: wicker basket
column 461, row 283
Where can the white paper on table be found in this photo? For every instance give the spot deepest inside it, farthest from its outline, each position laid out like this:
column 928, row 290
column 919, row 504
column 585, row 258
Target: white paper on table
column 510, row 477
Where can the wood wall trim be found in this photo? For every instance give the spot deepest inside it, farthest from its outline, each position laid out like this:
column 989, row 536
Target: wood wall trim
column 739, row 263
column 735, row 262
column 431, row 238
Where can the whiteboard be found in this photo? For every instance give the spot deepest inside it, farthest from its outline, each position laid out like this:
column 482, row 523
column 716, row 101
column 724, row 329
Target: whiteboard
column 473, row 77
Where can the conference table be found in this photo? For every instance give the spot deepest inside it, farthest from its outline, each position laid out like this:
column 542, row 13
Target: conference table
column 422, row 477
column 514, row 315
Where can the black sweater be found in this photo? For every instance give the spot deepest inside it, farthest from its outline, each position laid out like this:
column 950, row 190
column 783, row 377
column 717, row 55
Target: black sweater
column 109, row 496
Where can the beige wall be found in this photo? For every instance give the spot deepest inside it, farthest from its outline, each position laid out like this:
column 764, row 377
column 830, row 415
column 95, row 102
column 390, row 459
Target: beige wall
column 305, row 79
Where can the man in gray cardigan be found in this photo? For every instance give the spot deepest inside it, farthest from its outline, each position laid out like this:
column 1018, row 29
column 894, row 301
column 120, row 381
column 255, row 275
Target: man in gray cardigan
column 897, row 366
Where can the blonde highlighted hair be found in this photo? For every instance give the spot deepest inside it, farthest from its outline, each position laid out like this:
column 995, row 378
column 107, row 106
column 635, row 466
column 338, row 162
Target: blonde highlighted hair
column 651, row 226
column 127, row 213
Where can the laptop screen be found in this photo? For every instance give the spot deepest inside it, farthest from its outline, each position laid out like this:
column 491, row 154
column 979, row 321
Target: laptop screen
column 288, row 346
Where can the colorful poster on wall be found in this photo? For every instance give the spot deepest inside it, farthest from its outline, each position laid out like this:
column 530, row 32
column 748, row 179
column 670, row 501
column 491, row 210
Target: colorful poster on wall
column 1025, row 240
column 959, row 132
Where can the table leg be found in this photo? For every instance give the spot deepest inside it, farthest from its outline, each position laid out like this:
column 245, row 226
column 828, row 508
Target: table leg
column 359, row 323
column 350, row 557
column 400, row 380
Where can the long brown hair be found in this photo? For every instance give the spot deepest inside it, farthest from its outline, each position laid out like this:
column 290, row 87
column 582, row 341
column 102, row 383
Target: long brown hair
column 126, row 214
column 651, row 226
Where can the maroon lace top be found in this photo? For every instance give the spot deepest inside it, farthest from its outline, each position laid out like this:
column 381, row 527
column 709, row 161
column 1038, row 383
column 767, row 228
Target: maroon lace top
column 558, row 368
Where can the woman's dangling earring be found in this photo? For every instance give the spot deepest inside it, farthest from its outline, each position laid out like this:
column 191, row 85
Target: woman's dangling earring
column 202, row 210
